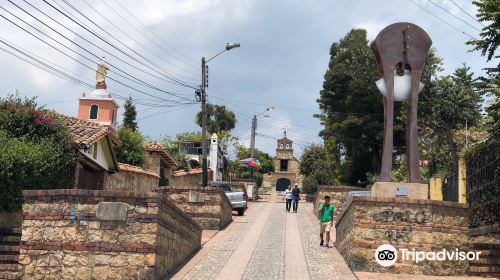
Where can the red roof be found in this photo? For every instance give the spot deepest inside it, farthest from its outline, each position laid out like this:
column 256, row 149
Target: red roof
column 84, row 133
column 157, row 147
column 189, row 172
column 136, row 169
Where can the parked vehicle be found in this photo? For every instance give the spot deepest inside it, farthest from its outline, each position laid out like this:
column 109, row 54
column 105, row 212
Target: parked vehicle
column 238, row 199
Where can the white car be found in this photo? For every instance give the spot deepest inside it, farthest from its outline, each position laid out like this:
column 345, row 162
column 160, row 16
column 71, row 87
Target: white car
column 238, row 199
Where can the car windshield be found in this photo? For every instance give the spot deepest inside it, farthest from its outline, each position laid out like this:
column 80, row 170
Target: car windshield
column 226, row 188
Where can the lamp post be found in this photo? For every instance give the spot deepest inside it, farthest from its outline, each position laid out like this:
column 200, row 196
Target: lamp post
column 203, row 86
column 254, row 128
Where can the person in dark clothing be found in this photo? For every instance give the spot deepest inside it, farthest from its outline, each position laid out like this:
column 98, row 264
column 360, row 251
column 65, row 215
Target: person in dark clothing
column 295, row 197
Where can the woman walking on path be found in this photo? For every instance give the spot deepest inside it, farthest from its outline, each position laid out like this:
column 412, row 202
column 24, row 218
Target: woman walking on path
column 288, row 197
column 296, row 197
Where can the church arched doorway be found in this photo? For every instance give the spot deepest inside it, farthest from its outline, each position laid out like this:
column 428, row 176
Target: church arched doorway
column 282, row 184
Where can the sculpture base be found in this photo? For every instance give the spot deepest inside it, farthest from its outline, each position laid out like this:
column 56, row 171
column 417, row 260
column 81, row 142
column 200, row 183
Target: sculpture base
column 395, row 189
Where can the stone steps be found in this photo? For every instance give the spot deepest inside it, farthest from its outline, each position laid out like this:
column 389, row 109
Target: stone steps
column 10, row 241
column 488, row 264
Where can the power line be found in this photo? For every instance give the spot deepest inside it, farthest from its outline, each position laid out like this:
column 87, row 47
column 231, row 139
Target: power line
column 142, row 33
column 168, row 111
column 115, row 47
column 471, row 16
column 136, row 80
column 442, row 20
column 133, row 40
column 65, row 54
column 453, row 15
column 168, row 75
column 188, row 60
column 44, row 65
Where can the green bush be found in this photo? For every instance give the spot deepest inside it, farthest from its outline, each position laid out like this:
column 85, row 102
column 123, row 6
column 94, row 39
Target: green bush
column 256, row 175
column 29, row 165
column 35, row 151
column 310, row 185
column 131, row 148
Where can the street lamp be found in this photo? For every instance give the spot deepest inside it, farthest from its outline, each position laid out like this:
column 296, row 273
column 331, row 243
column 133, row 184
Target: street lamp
column 203, row 86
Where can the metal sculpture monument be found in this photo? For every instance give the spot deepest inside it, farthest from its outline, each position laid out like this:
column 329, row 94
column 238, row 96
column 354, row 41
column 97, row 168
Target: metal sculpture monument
column 401, row 48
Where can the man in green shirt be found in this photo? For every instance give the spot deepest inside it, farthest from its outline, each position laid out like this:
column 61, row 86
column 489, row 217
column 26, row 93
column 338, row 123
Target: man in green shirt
column 325, row 220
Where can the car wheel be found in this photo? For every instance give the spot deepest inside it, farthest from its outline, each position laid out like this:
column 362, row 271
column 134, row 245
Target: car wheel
column 241, row 212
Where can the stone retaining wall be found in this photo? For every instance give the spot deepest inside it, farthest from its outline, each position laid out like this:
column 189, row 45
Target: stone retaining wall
column 208, row 206
column 91, row 234
column 337, row 195
column 368, row 222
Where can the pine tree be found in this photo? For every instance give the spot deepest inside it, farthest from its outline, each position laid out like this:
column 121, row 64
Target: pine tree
column 130, row 114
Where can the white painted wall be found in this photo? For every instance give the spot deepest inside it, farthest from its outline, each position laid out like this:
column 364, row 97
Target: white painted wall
column 101, row 156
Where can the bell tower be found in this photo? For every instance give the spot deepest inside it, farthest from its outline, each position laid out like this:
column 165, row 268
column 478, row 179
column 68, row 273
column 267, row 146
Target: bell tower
column 99, row 106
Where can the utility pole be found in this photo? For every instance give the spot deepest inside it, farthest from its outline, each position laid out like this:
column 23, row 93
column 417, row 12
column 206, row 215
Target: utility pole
column 204, row 164
column 203, row 86
column 252, row 141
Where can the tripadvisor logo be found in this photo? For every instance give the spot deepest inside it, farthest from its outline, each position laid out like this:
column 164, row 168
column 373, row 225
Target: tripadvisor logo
column 386, row 255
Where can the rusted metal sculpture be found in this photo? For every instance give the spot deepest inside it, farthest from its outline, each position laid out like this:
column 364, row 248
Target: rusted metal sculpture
column 398, row 48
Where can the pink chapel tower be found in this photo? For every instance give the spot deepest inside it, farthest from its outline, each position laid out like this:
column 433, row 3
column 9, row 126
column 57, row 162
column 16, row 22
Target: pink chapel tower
column 99, row 106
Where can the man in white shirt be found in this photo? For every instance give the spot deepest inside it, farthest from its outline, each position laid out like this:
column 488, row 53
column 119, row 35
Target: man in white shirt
column 288, row 197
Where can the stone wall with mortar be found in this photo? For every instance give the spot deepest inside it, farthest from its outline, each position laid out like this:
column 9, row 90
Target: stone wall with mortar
column 91, row 234
column 131, row 182
column 337, row 196
column 425, row 225
column 208, row 206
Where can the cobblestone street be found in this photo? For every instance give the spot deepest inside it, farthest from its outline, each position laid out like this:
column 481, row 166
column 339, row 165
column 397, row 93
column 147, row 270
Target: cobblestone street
column 268, row 243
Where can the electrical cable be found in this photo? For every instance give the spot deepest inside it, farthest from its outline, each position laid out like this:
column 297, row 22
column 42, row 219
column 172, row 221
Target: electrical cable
column 442, row 20
column 471, row 16
column 112, row 45
column 454, row 15
column 57, row 49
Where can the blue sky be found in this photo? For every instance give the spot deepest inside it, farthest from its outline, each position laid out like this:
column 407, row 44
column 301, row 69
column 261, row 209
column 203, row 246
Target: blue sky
column 281, row 62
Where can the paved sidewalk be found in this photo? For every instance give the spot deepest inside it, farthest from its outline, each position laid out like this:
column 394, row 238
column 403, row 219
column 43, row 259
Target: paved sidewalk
column 266, row 243
column 387, row 276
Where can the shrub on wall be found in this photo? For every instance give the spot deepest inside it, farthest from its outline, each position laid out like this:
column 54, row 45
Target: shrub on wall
column 256, row 175
column 309, row 185
column 35, row 151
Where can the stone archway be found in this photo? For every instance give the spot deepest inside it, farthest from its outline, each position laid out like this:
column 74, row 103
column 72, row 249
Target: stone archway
column 282, row 184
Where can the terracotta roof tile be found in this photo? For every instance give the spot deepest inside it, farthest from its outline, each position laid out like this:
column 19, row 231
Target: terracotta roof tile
column 136, row 169
column 157, row 147
column 84, row 133
column 189, row 172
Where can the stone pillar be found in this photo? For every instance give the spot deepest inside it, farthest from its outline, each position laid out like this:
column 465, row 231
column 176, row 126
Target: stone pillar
column 214, row 151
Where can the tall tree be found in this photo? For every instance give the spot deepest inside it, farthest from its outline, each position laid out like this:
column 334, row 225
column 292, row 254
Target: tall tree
column 219, row 118
column 131, row 149
column 317, row 164
column 130, row 115
column 351, row 108
column 452, row 102
column 488, row 12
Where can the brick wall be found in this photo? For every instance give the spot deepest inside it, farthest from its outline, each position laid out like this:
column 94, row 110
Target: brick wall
column 368, row 222
column 83, row 233
column 208, row 206
column 131, row 181
column 337, row 195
